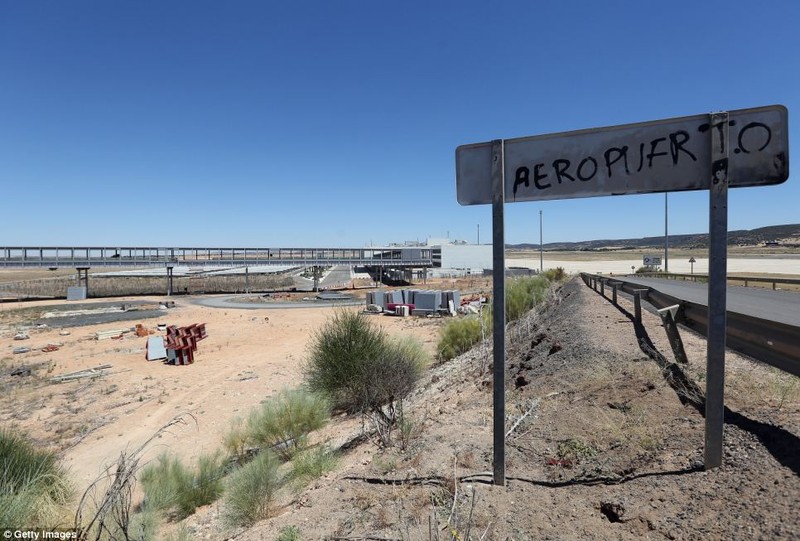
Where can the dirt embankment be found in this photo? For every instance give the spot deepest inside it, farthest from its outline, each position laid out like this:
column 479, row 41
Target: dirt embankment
column 610, row 448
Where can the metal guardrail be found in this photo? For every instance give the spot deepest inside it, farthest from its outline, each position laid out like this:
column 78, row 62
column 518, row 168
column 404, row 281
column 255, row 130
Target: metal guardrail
column 731, row 278
column 772, row 342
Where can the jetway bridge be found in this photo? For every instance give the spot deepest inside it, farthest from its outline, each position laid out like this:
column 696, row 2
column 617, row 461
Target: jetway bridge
column 89, row 257
column 380, row 260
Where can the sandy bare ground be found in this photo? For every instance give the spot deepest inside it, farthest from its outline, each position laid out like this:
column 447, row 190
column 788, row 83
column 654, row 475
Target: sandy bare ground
column 248, row 356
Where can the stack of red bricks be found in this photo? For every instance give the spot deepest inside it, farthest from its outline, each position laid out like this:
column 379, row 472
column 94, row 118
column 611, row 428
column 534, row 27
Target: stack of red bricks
column 181, row 342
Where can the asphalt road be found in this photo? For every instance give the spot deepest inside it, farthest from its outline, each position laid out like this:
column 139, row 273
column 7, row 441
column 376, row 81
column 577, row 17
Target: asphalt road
column 93, row 314
column 230, row 301
column 780, row 306
column 340, row 274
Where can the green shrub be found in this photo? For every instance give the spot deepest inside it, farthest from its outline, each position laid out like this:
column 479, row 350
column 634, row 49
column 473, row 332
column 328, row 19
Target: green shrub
column 207, row 485
column 251, row 490
column 557, row 274
column 523, row 294
column 235, row 439
column 33, row 487
column 170, row 486
column 575, row 450
column 361, row 369
column 458, row 336
column 340, row 352
column 313, row 463
column 391, row 376
column 412, row 349
column 284, row 422
column 289, row 533
column 158, row 482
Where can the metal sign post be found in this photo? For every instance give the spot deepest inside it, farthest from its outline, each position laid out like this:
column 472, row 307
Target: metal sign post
column 499, row 312
column 717, row 290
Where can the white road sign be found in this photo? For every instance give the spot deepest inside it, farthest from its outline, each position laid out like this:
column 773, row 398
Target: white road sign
column 659, row 156
column 651, row 260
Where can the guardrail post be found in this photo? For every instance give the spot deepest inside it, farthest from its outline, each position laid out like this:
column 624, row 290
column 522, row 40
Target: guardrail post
column 602, row 288
column 668, row 316
column 637, row 303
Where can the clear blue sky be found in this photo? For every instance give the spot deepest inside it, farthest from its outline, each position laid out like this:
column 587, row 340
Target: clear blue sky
column 255, row 123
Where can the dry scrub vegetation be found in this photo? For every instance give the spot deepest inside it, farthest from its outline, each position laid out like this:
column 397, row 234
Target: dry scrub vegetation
column 114, row 286
column 604, row 441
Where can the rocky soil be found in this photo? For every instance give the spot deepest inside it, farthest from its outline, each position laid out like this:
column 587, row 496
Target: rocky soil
column 611, row 446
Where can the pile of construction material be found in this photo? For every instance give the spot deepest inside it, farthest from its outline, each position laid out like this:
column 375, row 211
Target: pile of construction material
column 415, row 302
column 81, row 374
column 115, row 334
column 181, row 342
column 179, row 345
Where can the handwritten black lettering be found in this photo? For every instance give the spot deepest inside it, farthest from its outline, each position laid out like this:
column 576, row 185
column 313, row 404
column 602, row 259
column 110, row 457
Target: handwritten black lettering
column 621, row 154
column 749, row 127
column 641, row 157
column 594, row 170
column 561, row 167
column 618, row 158
column 652, row 154
column 537, row 176
column 676, row 146
column 521, row 177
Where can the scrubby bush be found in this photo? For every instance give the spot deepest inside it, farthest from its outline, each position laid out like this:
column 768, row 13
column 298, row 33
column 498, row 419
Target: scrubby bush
column 313, row 463
column 284, row 422
column 158, row 482
column 523, row 294
column 235, row 439
column 362, row 370
column 207, row 484
column 252, row 489
column 458, row 336
column 170, row 486
column 289, row 533
column 557, row 274
column 353, row 362
column 340, row 352
column 33, row 487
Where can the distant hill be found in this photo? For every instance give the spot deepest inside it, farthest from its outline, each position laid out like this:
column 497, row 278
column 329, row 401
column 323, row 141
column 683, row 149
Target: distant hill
column 786, row 235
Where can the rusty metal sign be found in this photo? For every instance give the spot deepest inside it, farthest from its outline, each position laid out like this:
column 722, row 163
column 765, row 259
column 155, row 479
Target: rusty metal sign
column 658, row 156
